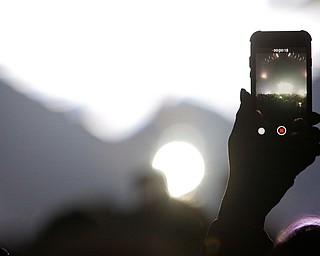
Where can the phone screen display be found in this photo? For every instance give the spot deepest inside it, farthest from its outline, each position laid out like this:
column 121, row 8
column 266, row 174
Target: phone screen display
column 281, row 88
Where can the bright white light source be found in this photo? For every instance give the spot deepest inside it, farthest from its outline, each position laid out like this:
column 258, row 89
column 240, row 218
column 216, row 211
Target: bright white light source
column 302, row 92
column 264, row 75
column 182, row 165
column 285, row 88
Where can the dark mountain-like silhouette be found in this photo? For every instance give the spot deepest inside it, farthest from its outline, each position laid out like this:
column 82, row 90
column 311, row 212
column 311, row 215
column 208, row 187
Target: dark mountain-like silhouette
column 48, row 163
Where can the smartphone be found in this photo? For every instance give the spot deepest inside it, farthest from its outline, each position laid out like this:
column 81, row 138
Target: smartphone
column 280, row 64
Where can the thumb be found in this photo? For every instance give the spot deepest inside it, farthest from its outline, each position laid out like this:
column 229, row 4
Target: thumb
column 246, row 114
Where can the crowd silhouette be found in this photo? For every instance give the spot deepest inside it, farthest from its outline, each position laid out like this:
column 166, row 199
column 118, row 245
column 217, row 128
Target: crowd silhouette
column 159, row 226
column 262, row 169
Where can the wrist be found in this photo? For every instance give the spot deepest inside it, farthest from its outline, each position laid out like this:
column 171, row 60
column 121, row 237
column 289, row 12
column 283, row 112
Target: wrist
column 239, row 209
column 243, row 201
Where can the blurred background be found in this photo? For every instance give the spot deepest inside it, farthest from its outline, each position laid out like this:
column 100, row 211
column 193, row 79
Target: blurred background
column 95, row 93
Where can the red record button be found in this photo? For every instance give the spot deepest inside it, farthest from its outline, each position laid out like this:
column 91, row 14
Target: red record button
column 281, row 130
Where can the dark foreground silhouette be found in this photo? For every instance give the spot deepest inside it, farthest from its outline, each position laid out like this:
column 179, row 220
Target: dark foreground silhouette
column 161, row 226
column 262, row 169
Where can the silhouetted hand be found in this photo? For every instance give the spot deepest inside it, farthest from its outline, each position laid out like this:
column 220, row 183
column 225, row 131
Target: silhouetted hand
column 263, row 168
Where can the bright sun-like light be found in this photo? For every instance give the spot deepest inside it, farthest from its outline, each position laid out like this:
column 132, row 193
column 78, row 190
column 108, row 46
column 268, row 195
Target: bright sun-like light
column 284, row 88
column 183, row 166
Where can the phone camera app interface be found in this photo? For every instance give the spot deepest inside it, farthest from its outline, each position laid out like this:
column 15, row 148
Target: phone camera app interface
column 281, row 87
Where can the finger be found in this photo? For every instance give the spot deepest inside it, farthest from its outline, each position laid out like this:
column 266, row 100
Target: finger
column 247, row 101
column 315, row 118
column 246, row 113
column 315, row 134
column 317, row 150
column 299, row 125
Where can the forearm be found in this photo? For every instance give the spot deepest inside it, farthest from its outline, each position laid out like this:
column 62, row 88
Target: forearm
column 262, row 169
column 239, row 229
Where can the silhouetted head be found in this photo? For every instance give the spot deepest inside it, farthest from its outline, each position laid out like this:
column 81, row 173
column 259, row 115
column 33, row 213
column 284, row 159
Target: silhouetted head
column 152, row 186
column 300, row 238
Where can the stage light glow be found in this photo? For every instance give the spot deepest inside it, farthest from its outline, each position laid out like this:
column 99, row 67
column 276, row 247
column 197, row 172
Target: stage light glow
column 285, row 88
column 302, row 92
column 264, row 75
column 183, row 166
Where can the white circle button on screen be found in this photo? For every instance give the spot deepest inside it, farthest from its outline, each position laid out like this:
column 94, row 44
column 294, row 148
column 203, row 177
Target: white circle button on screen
column 261, row 131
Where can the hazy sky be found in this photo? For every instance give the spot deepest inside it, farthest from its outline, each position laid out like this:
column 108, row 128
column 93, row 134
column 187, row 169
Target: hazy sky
column 115, row 61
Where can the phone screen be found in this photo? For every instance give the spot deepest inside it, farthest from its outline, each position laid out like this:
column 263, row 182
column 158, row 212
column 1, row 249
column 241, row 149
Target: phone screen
column 281, row 88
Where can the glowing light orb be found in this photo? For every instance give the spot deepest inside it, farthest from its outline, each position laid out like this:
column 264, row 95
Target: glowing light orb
column 285, row 88
column 302, row 92
column 264, row 75
column 182, row 165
